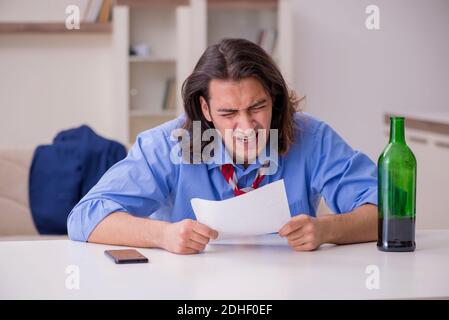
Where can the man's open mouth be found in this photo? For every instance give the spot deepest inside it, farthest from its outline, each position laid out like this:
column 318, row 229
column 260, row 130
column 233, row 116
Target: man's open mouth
column 247, row 139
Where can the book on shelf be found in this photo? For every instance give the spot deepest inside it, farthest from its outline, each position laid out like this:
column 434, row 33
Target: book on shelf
column 98, row 11
column 169, row 102
column 105, row 12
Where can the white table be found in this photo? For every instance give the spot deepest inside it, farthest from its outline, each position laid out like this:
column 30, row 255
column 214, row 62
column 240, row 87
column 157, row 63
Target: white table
column 37, row 269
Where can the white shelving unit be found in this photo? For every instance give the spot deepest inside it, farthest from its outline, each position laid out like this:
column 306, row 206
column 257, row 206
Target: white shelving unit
column 177, row 33
column 136, row 59
column 246, row 22
column 154, row 26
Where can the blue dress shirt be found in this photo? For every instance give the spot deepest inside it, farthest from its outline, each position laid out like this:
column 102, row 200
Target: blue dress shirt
column 148, row 184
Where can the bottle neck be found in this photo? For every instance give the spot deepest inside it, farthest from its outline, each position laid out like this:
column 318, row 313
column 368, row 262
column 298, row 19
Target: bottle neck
column 397, row 134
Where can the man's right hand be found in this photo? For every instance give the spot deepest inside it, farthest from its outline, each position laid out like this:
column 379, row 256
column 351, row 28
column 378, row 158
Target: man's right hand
column 187, row 237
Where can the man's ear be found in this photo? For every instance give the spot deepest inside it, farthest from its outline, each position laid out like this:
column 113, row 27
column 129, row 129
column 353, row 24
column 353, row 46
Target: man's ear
column 205, row 109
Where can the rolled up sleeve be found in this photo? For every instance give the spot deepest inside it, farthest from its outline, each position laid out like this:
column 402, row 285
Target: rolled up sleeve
column 139, row 184
column 345, row 178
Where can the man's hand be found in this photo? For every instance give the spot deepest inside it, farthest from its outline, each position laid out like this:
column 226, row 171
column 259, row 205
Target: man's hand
column 187, row 237
column 303, row 233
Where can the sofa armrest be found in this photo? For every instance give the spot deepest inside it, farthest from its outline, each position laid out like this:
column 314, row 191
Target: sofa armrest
column 15, row 214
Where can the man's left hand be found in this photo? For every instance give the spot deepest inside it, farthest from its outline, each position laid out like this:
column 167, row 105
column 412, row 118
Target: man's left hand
column 303, row 233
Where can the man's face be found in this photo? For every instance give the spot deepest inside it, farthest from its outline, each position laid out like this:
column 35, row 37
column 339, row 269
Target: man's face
column 241, row 111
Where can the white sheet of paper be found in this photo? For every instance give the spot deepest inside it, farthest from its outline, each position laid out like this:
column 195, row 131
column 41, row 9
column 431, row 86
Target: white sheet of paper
column 272, row 239
column 261, row 211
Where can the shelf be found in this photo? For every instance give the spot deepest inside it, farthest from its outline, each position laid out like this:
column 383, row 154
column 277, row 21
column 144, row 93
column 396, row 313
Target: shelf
column 53, row 27
column 152, row 3
column 243, row 4
column 147, row 113
column 422, row 123
column 218, row 4
column 151, row 59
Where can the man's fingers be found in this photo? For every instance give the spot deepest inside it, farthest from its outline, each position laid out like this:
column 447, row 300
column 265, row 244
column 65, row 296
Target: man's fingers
column 293, row 225
column 297, row 234
column 195, row 245
column 304, row 247
column 299, row 241
column 285, row 229
column 305, row 243
column 205, row 230
column 188, row 251
column 199, row 238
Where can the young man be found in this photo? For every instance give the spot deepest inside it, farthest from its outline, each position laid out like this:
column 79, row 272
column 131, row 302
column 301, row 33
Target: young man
column 144, row 200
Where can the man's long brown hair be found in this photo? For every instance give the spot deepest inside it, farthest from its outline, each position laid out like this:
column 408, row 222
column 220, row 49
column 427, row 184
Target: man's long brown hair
column 236, row 59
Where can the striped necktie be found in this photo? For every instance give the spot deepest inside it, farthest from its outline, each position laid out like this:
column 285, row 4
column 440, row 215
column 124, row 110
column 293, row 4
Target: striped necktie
column 228, row 172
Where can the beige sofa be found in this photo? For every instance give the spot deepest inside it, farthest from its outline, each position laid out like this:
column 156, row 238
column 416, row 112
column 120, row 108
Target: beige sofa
column 15, row 215
column 16, row 222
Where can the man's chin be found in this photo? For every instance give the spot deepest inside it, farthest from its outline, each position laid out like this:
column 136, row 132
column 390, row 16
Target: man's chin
column 245, row 159
column 246, row 153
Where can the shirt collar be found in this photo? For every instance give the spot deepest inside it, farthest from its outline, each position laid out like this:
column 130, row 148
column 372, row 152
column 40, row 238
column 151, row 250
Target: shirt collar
column 222, row 157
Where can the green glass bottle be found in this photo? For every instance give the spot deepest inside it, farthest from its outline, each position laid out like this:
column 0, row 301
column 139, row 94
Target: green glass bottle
column 396, row 192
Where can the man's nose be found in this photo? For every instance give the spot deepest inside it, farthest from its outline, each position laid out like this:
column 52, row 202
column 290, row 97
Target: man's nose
column 245, row 122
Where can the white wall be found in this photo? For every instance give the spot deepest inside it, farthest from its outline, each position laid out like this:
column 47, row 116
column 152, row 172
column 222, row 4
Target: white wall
column 352, row 75
column 51, row 82
column 37, row 10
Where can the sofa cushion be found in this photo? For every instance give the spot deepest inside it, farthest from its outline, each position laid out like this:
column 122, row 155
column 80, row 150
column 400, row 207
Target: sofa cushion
column 15, row 214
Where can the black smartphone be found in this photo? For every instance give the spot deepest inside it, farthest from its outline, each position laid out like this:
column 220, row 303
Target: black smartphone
column 123, row 256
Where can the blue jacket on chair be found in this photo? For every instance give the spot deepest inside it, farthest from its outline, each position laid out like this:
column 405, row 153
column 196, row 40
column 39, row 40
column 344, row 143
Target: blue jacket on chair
column 63, row 172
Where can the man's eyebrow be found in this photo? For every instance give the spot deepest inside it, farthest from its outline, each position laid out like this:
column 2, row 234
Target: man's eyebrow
column 256, row 104
column 227, row 110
